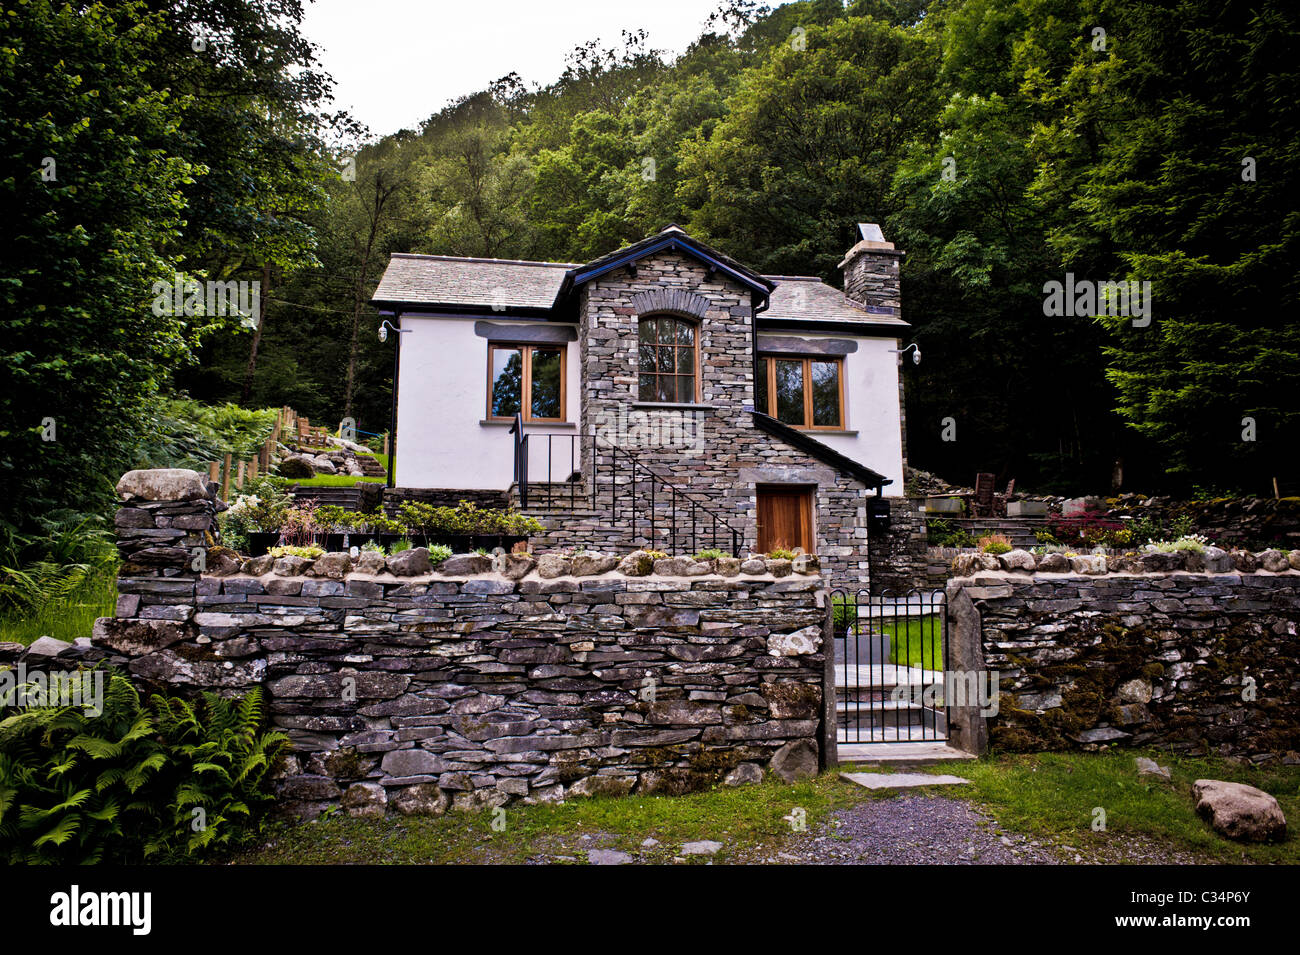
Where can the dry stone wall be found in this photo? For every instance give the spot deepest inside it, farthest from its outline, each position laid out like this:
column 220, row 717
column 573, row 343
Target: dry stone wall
column 1191, row 662
column 478, row 683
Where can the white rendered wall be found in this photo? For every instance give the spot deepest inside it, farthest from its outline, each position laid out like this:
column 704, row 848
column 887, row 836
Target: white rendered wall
column 442, row 400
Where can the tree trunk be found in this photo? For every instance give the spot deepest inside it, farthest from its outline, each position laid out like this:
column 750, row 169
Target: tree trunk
column 247, row 390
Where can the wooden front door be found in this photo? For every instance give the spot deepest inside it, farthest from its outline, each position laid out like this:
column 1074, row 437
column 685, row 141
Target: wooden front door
column 785, row 519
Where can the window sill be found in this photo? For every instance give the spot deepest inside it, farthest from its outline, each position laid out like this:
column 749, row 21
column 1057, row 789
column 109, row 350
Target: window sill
column 492, row 423
column 839, row 431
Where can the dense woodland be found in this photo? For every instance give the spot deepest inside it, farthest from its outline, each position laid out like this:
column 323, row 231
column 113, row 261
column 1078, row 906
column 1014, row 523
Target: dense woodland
column 1000, row 143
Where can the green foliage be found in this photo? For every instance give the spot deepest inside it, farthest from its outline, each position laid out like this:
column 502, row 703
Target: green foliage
column 994, row 544
column 438, row 553
column 170, row 780
column 942, row 533
column 711, row 553
column 310, row 551
column 780, row 553
column 188, row 434
column 464, row 519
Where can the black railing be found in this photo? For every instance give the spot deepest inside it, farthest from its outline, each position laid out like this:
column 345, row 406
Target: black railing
column 890, row 655
column 661, row 515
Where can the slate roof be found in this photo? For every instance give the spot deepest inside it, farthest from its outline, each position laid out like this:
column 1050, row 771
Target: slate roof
column 449, row 283
column 443, row 280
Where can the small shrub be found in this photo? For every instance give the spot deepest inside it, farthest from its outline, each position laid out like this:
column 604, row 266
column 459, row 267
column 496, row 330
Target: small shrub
column 438, row 553
column 941, row 533
column 310, row 552
column 656, row 555
column 1189, row 542
column 711, row 553
column 995, row 544
column 373, row 547
column 781, row 553
column 396, row 547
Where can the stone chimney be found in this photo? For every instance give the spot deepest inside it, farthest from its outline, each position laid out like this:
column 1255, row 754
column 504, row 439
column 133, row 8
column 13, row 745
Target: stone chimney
column 871, row 272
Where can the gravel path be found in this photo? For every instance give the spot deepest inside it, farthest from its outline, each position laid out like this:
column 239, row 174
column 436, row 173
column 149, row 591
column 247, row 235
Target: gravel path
column 914, row 829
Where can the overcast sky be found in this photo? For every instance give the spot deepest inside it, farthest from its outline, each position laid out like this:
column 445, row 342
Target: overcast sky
column 395, row 62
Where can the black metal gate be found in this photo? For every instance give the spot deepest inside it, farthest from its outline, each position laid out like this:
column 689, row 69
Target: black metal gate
column 890, row 653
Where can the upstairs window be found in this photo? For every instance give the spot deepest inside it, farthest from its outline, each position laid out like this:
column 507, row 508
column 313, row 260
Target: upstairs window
column 801, row 392
column 667, row 360
column 527, row 380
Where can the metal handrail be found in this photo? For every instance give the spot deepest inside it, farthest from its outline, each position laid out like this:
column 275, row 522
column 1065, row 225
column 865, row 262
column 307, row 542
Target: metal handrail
column 717, row 527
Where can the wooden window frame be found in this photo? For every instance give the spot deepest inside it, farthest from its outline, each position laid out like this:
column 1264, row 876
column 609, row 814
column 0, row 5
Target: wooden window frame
column 694, row 326
column 526, row 350
column 769, row 368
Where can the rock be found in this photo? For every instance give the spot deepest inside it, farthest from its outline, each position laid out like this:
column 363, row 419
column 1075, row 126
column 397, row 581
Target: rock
column 412, row 562
column 1017, row 560
column 728, row 566
column 257, row 566
column 1053, row 564
column 1090, row 564
column 1293, row 558
column 1126, row 564
column 412, row 762
column 1216, row 560
column 797, row 759
column 370, row 562
column 603, row 786
column 45, row 648
column 296, row 466
column 1134, row 691
column 221, row 562
column 705, row 847
column 744, row 775
column 1101, row 734
column 365, row 800
column 1274, row 561
column 290, row 566
column 639, row 563
column 1245, row 561
column 673, row 566
column 798, row 643
column 778, row 566
column 699, row 568
column 163, row 484
column 607, row 857
column 967, row 565
column 461, row 565
column 550, row 566
column 592, row 564
column 753, row 566
column 1149, row 767
column 1239, row 811
column 9, row 652
column 807, row 564
column 324, row 465
column 516, row 566
column 422, row 799
column 334, row 565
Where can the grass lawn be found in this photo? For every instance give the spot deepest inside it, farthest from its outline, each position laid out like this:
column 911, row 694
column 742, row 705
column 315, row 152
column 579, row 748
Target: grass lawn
column 345, row 480
column 1048, row 796
column 66, row 618
column 1055, row 795
column 916, row 641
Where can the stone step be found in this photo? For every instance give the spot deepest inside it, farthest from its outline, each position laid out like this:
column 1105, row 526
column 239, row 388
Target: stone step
column 902, row 780
column 900, row 753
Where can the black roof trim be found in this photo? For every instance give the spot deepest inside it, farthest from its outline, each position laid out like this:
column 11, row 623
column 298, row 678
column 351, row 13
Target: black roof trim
column 821, row 452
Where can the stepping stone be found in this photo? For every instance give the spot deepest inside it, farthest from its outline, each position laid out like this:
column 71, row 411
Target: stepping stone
column 902, row 780
column 704, row 848
column 607, row 857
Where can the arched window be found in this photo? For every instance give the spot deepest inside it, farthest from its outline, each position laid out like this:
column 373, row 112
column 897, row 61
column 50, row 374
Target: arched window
column 668, row 359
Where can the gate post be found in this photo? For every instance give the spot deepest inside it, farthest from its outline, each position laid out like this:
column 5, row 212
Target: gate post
column 967, row 726
column 830, row 722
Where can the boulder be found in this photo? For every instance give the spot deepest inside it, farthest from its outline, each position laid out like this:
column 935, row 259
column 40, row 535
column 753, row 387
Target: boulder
column 1053, row 563
column 413, row 562
column 778, row 566
column 753, row 566
column 459, row 565
column 795, row 760
column 257, row 566
column 291, row 566
column 550, row 566
column 1239, row 811
column 1244, row 561
column 1216, row 560
column 673, row 566
column 370, row 562
column 517, row 566
column 365, row 800
column 422, row 799
column 222, row 562
column 1274, row 561
column 807, row 564
column 1017, row 560
column 1090, row 564
column 1293, row 558
column 728, row 566
column 334, row 565
column 45, row 648
column 163, row 484
column 639, row 563
column 296, row 466
column 1134, row 691
column 967, row 565
column 1162, row 562
column 324, row 465
column 589, row 564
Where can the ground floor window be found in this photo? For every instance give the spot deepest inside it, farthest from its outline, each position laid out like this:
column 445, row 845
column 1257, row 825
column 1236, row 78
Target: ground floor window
column 527, row 380
column 801, row 392
column 785, row 518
